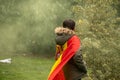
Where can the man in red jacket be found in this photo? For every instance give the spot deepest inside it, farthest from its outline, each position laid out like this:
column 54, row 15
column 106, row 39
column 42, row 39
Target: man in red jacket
column 69, row 63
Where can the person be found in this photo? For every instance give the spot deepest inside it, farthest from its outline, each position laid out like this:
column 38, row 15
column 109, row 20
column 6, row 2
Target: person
column 69, row 63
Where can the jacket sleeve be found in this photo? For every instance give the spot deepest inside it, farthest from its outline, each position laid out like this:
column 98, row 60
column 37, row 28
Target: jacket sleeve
column 78, row 59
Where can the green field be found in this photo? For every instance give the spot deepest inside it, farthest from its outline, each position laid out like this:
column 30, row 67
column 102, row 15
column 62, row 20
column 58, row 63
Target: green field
column 25, row 68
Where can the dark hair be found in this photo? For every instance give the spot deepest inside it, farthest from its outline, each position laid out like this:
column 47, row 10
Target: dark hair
column 69, row 24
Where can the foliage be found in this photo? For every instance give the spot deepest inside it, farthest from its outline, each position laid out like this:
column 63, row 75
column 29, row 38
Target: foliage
column 97, row 26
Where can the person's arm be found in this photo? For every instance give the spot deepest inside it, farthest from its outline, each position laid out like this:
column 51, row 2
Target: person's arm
column 58, row 52
column 78, row 59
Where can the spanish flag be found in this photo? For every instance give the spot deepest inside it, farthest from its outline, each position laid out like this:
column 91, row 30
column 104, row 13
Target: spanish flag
column 69, row 49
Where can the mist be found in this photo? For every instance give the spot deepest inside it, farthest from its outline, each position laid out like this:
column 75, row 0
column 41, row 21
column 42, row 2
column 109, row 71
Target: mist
column 27, row 26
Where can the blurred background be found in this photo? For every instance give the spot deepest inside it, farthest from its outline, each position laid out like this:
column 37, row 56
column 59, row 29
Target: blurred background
column 27, row 36
column 27, row 26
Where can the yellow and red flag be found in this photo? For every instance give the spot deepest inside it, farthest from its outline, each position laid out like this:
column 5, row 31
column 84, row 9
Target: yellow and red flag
column 69, row 49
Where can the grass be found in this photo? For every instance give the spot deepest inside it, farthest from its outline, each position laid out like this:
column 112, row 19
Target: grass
column 25, row 68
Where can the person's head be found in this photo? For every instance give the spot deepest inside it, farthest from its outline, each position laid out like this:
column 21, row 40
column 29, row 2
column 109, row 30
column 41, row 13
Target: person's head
column 69, row 24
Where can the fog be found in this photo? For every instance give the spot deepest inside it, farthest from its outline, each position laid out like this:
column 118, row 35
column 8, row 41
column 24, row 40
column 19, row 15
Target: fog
column 27, row 26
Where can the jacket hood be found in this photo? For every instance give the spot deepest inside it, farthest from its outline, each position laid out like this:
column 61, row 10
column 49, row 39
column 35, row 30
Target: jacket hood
column 62, row 35
column 61, row 30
